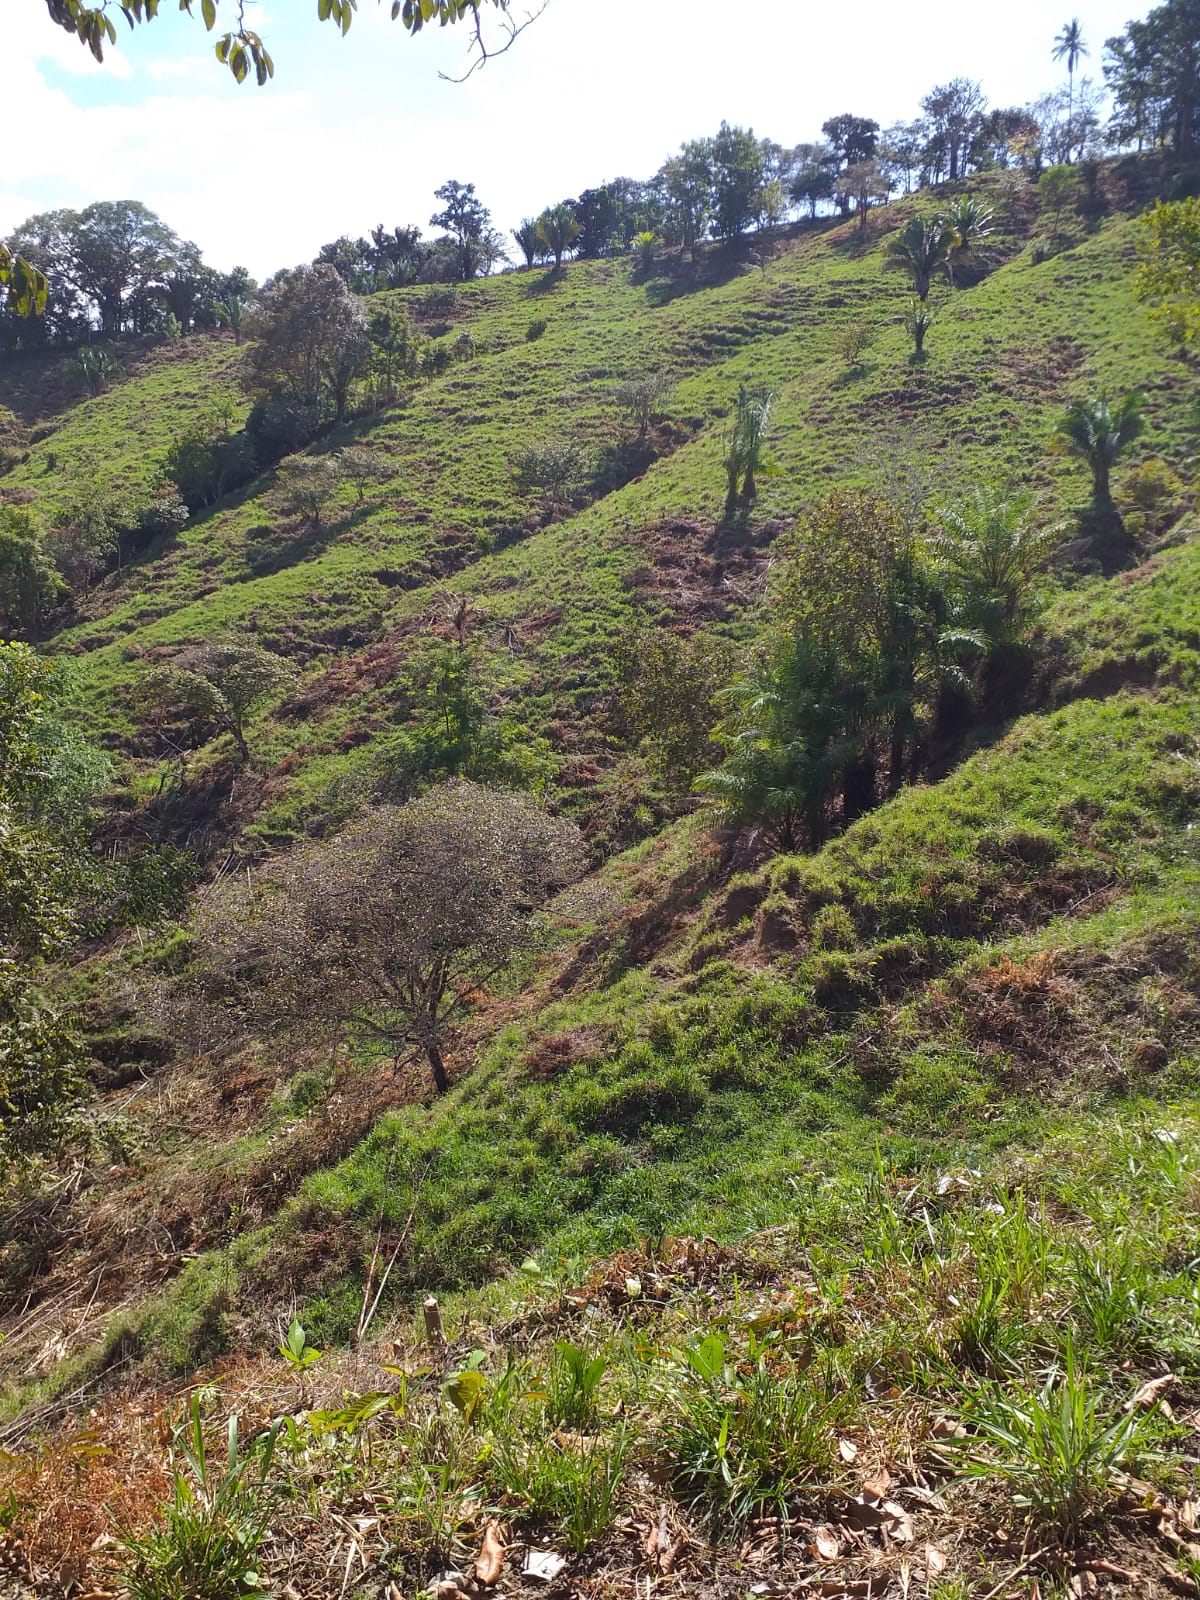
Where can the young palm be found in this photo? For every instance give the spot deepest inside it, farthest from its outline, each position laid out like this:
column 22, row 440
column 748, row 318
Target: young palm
column 991, row 548
column 923, row 249
column 1069, row 46
column 1096, row 431
column 971, row 222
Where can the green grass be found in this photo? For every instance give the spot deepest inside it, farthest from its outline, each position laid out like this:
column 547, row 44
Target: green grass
column 987, row 963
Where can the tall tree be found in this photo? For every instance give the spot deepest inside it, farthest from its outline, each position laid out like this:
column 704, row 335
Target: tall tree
column 310, row 341
column 465, row 219
column 1153, row 70
column 1069, row 46
column 955, row 112
column 738, row 176
column 394, row 924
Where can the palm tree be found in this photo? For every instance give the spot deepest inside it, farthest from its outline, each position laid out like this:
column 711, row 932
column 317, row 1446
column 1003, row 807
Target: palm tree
column 1096, row 431
column 1069, row 46
column 991, row 547
column 559, row 227
column 922, row 248
column 971, row 222
column 530, row 239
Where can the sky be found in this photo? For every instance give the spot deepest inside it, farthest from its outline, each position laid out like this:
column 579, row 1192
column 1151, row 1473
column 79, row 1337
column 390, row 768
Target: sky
column 356, row 131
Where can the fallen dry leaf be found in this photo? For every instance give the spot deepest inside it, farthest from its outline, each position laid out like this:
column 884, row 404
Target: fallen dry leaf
column 899, row 1526
column 848, row 1450
column 944, row 1428
column 490, row 1562
column 825, row 1543
column 935, row 1561
column 1151, row 1393
column 875, row 1488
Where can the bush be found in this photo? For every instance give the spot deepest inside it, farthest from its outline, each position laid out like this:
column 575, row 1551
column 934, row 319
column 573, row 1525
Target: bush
column 1152, row 491
column 536, row 329
column 853, row 342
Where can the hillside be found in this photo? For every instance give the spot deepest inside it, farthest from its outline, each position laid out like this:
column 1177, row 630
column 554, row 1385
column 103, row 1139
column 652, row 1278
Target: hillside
column 905, row 1123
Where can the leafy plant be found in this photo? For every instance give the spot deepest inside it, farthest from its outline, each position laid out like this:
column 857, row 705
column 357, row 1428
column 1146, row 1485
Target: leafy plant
column 918, row 320
column 574, row 1381
column 853, row 341
column 297, row 1351
column 213, row 1525
column 738, row 1446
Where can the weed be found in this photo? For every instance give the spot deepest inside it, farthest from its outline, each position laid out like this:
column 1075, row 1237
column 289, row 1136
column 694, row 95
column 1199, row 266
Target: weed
column 1058, row 1448
column 213, row 1525
column 737, row 1446
column 574, row 1380
column 572, row 1480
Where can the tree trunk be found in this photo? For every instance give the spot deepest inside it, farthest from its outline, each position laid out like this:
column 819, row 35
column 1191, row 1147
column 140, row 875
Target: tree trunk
column 436, row 1066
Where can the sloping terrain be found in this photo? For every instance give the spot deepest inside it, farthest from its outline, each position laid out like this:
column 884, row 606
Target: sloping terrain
column 868, row 1117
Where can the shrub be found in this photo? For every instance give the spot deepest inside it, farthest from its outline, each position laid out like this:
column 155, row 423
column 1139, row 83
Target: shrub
column 554, row 466
column 1151, row 490
column 853, row 341
column 536, row 329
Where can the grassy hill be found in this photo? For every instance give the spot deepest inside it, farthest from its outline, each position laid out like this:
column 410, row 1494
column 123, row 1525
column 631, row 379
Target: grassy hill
column 904, row 1124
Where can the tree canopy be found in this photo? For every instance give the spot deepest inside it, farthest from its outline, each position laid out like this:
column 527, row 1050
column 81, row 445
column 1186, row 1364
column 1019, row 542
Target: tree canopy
column 242, row 49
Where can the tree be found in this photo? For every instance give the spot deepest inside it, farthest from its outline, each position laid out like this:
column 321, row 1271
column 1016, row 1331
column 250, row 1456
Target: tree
column 813, row 168
column 211, row 456
column 559, row 229
column 851, row 138
column 1096, row 430
column 394, row 924
column 310, row 342
column 1168, row 273
column 108, row 263
column 464, row 218
column 1069, row 46
column 737, row 164
column 232, row 311
column 955, row 112
column 530, row 239
column 922, row 248
column 243, row 51
column 745, row 445
column 790, row 731
column 25, row 288
column 867, row 184
column 396, row 350
column 220, row 683
column 1153, row 70
column 686, row 185
column 1058, row 186
column 639, row 398
column 991, row 547
column 309, row 483
column 971, row 223
column 48, row 776
column 554, row 466
column 29, row 581
column 666, row 697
